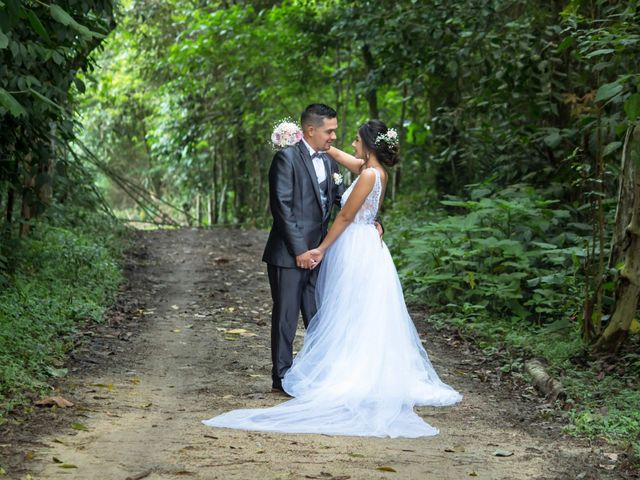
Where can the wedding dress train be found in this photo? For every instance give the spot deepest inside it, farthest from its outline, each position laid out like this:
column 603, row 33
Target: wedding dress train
column 362, row 367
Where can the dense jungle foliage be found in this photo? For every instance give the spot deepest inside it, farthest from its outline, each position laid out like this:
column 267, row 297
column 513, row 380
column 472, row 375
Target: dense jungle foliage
column 514, row 214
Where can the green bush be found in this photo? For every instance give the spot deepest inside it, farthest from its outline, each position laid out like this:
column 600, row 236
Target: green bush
column 61, row 279
column 512, row 256
column 507, row 272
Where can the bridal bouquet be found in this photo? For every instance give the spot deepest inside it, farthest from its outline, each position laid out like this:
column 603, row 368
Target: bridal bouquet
column 285, row 133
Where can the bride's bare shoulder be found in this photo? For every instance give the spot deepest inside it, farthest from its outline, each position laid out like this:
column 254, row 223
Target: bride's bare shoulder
column 368, row 174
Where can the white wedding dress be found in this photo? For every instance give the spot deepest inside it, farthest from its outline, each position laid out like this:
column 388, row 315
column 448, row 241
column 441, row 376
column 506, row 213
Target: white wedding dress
column 362, row 368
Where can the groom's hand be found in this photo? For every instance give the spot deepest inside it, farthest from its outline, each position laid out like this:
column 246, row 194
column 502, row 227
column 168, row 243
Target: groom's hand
column 304, row 260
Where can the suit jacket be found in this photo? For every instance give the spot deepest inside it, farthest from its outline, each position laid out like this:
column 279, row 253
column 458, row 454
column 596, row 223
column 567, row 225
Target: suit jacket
column 294, row 197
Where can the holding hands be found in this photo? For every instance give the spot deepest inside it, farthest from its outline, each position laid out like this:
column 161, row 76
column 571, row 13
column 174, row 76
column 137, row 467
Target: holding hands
column 309, row 259
column 312, row 258
column 316, row 254
column 305, row 261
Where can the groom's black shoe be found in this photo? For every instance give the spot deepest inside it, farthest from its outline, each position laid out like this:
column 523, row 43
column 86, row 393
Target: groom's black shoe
column 276, row 387
column 280, row 391
column 276, row 383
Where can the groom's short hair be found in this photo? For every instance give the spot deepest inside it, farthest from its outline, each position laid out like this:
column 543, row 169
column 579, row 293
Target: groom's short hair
column 315, row 114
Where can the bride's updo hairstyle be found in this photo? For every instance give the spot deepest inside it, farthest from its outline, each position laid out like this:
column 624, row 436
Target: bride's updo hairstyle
column 377, row 138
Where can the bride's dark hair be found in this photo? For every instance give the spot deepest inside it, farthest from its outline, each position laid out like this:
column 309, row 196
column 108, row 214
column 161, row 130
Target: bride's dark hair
column 387, row 153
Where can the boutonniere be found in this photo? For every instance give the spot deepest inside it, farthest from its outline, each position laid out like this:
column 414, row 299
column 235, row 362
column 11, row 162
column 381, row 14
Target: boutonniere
column 337, row 178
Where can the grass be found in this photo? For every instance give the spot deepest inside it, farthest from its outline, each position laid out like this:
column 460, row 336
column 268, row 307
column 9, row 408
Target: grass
column 60, row 278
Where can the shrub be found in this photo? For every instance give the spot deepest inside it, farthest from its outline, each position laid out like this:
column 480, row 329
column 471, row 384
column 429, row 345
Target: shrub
column 61, row 279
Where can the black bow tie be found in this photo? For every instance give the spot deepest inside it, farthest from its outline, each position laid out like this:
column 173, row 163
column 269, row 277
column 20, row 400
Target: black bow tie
column 316, row 155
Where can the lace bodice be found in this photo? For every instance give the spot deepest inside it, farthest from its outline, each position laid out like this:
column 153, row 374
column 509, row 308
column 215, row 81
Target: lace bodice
column 369, row 208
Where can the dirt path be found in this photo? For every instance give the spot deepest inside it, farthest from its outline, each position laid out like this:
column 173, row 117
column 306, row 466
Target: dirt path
column 190, row 340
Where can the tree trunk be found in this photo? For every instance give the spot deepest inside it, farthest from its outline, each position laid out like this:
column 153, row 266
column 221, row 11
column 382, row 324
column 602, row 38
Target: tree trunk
column 11, row 191
column 625, row 249
column 198, row 210
column 372, row 93
column 10, row 202
column 213, row 201
column 396, row 175
column 27, row 197
column 45, row 189
column 543, row 381
column 211, row 210
column 26, row 208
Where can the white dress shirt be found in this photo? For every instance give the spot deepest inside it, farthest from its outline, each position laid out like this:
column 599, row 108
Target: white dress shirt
column 318, row 163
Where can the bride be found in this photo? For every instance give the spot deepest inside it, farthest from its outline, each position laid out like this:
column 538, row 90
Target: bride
column 362, row 367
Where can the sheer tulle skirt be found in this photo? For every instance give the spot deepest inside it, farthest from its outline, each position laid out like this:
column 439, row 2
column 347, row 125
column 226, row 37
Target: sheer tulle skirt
column 362, row 367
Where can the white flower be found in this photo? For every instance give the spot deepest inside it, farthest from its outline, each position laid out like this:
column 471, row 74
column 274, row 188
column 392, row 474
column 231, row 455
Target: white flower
column 390, row 137
column 285, row 134
column 337, row 178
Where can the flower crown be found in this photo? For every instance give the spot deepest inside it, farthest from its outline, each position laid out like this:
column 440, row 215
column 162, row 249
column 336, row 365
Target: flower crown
column 285, row 133
column 390, row 137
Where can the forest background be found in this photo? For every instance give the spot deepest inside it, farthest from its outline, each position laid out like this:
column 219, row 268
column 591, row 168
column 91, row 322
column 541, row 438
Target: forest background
column 514, row 215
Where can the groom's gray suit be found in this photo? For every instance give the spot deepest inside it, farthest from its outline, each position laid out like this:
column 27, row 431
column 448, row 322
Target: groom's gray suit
column 301, row 207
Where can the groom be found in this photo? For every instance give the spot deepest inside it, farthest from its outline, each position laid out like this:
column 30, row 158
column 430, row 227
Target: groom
column 302, row 192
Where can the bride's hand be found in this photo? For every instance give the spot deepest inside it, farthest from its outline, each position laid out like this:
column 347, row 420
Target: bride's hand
column 316, row 257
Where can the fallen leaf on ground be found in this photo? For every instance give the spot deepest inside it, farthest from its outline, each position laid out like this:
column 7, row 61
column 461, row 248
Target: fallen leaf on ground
column 612, row 456
column 329, row 476
column 108, row 386
column 607, row 467
column 502, row 453
column 455, row 449
column 386, row 469
column 473, row 474
column 56, row 460
column 140, row 475
column 237, row 331
column 79, row 426
column 57, row 372
column 67, row 465
column 175, row 307
column 51, row 401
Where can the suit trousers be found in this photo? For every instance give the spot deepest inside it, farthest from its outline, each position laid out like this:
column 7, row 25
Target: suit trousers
column 292, row 290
